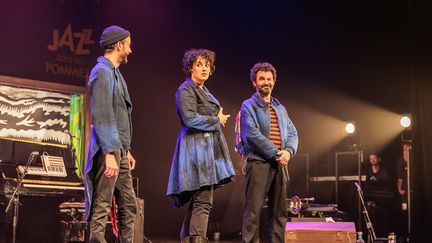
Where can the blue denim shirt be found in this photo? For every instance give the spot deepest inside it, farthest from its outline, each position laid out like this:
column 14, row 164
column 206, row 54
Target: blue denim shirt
column 255, row 129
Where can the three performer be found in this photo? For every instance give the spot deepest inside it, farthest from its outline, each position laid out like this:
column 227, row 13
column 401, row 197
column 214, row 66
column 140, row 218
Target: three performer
column 201, row 161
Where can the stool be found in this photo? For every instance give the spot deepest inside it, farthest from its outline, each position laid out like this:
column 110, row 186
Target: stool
column 72, row 224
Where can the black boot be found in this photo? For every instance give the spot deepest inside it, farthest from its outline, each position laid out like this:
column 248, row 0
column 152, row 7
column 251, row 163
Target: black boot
column 198, row 239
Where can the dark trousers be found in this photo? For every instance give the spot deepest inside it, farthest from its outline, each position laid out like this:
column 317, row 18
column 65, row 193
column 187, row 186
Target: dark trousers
column 196, row 220
column 104, row 188
column 265, row 179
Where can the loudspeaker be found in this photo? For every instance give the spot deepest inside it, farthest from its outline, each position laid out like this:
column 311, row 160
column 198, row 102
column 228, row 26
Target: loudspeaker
column 139, row 225
column 139, row 222
column 298, row 169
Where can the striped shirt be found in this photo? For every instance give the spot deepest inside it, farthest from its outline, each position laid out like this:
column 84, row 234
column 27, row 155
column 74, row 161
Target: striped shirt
column 275, row 135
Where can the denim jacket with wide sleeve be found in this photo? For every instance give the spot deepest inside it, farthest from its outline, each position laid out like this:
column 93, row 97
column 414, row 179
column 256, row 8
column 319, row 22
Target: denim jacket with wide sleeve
column 110, row 108
column 255, row 129
column 201, row 156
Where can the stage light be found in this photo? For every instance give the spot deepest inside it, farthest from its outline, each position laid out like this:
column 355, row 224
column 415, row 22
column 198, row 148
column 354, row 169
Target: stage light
column 405, row 121
column 350, row 128
column 353, row 138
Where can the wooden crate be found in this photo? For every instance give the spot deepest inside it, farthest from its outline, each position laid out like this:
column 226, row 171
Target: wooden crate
column 320, row 232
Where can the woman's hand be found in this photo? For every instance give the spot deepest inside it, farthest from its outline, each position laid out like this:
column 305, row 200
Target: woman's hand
column 222, row 118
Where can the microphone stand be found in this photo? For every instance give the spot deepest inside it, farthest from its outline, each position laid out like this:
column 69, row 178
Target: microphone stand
column 408, row 190
column 15, row 198
column 369, row 225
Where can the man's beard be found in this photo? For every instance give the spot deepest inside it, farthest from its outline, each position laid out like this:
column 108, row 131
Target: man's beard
column 123, row 59
column 124, row 56
column 264, row 91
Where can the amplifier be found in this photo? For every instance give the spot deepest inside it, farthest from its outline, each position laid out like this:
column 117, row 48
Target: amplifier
column 139, row 226
column 139, row 222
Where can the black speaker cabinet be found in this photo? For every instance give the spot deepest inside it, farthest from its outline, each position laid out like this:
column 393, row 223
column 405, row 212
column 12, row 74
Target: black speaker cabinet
column 139, row 222
column 139, row 226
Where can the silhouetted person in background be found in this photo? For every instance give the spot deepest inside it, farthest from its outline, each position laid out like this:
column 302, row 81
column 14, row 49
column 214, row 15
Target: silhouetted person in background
column 378, row 194
column 402, row 189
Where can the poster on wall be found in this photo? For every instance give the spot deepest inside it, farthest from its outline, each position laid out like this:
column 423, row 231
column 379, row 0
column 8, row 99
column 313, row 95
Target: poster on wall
column 34, row 116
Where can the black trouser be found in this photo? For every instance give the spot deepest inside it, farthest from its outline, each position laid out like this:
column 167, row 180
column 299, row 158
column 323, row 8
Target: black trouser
column 196, row 220
column 265, row 179
column 104, row 188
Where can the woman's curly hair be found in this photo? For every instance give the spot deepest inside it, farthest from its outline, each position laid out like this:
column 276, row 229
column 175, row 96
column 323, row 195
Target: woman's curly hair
column 191, row 56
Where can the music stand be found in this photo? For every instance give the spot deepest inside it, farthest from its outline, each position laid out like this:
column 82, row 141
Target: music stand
column 15, row 196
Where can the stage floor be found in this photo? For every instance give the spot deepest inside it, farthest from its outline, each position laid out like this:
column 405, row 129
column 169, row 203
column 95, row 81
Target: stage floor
column 177, row 241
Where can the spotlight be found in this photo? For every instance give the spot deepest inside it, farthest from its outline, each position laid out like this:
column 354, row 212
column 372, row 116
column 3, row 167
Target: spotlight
column 350, row 128
column 405, row 121
column 353, row 138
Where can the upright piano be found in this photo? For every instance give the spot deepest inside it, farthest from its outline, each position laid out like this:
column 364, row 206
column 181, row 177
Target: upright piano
column 39, row 195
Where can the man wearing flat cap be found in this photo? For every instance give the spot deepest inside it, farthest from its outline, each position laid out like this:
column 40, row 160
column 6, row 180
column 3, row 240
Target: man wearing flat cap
column 109, row 161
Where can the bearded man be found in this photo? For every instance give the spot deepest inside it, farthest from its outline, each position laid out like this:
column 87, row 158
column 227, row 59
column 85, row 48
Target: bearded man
column 268, row 140
column 109, row 161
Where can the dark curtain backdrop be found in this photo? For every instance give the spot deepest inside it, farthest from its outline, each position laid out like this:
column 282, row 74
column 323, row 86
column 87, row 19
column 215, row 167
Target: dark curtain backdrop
column 421, row 100
column 422, row 163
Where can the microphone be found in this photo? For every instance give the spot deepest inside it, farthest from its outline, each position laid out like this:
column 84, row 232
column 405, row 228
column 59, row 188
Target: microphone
column 357, row 185
column 34, row 153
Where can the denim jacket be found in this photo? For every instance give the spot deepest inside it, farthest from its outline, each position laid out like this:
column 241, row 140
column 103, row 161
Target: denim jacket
column 110, row 108
column 255, row 129
column 201, row 156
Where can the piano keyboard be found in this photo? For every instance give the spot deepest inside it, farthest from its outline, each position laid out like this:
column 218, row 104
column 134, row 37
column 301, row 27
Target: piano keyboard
column 52, row 166
column 33, row 170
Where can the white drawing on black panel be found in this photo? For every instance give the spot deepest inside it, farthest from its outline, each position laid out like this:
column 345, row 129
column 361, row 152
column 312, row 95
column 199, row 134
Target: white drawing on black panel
column 35, row 115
